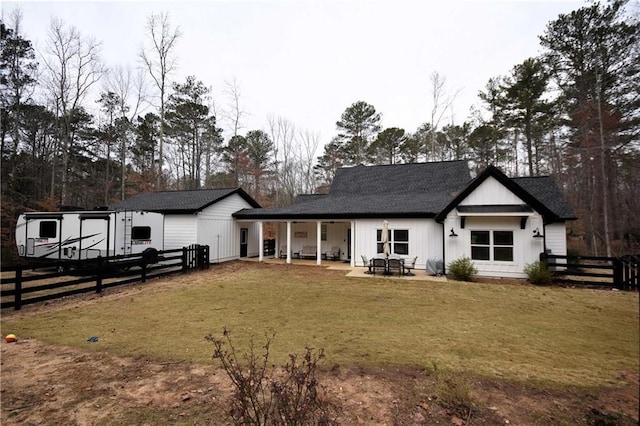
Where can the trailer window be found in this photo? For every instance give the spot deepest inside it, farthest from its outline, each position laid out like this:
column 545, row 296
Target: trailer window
column 141, row 233
column 48, row 229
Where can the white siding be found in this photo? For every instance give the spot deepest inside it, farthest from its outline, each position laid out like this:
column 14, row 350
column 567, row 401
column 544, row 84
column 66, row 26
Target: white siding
column 336, row 237
column 425, row 238
column 180, row 230
column 218, row 229
column 556, row 238
column 491, row 192
column 526, row 249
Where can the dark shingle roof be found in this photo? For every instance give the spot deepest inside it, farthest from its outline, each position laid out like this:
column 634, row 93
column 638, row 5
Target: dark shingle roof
column 545, row 190
column 180, row 201
column 414, row 178
column 404, row 190
column 540, row 192
column 413, row 190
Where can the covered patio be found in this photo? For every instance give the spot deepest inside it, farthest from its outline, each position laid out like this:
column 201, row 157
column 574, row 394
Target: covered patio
column 314, row 240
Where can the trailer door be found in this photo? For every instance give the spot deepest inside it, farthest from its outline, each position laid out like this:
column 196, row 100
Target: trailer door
column 95, row 236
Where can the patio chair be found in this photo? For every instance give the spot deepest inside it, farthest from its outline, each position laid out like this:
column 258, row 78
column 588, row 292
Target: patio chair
column 378, row 264
column 366, row 263
column 410, row 264
column 283, row 252
column 395, row 265
column 333, row 254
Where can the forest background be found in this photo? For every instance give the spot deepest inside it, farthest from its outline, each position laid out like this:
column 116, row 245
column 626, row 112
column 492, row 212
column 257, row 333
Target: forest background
column 572, row 112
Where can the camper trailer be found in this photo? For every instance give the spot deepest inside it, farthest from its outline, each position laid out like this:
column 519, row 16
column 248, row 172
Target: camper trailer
column 80, row 235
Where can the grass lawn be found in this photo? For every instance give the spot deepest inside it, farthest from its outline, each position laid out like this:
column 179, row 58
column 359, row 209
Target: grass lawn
column 542, row 334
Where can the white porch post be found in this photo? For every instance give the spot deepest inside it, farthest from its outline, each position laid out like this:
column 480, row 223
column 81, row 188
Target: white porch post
column 319, row 243
column 288, row 241
column 260, row 243
column 352, row 263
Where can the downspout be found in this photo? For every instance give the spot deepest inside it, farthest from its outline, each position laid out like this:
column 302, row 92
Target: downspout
column 444, row 252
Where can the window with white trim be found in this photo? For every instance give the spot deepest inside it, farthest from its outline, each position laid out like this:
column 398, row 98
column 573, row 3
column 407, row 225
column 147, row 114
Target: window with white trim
column 492, row 245
column 398, row 240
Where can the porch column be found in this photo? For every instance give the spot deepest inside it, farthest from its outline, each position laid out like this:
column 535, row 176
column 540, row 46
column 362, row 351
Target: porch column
column 319, row 243
column 352, row 263
column 260, row 243
column 288, row 241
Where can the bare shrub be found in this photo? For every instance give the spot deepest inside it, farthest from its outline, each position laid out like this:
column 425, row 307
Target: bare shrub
column 264, row 396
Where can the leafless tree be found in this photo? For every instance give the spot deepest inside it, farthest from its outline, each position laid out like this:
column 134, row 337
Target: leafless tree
column 131, row 91
column 72, row 66
column 282, row 133
column 234, row 111
column 442, row 102
column 157, row 56
column 308, row 147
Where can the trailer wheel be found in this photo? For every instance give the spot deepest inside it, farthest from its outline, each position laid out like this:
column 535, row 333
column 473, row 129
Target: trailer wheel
column 150, row 256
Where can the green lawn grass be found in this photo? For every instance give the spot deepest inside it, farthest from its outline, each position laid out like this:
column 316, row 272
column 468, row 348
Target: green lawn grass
column 542, row 334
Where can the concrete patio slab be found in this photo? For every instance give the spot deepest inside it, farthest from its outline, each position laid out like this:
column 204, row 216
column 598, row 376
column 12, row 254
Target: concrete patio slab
column 357, row 272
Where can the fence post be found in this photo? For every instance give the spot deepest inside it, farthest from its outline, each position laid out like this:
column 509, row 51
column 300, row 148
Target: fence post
column 99, row 276
column 203, row 257
column 184, row 259
column 18, row 296
column 618, row 276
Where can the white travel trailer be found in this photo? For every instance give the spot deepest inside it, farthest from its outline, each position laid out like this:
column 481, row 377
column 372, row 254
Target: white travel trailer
column 80, row 235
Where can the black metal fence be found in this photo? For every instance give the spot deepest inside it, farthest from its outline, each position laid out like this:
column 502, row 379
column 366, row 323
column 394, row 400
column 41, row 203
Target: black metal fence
column 622, row 272
column 54, row 280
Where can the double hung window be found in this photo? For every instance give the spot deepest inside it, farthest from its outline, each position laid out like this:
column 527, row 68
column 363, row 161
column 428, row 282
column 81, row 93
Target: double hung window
column 492, row 245
column 398, row 241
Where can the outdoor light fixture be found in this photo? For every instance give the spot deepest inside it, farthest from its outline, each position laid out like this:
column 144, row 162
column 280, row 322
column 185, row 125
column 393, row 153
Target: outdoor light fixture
column 453, row 234
column 537, row 234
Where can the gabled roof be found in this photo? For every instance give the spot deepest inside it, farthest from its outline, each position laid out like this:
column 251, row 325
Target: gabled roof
column 544, row 189
column 180, row 201
column 539, row 192
column 402, row 190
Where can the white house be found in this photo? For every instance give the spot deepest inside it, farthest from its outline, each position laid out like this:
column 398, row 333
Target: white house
column 434, row 211
column 203, row 217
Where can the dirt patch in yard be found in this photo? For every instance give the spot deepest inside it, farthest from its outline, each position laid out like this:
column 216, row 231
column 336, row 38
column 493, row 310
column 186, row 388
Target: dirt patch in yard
column 52, row 385
column 44, row 384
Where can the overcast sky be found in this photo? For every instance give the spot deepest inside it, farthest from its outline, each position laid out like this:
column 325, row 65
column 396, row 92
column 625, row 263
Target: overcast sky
column 308, row 61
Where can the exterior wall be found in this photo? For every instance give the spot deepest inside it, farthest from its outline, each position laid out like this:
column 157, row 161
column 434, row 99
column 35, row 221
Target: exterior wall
column 217, row 229
column 253, row 228
column 180, row 230
column 526, row 249
column 491, row 192
column 425, row 239
column 556, row 238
